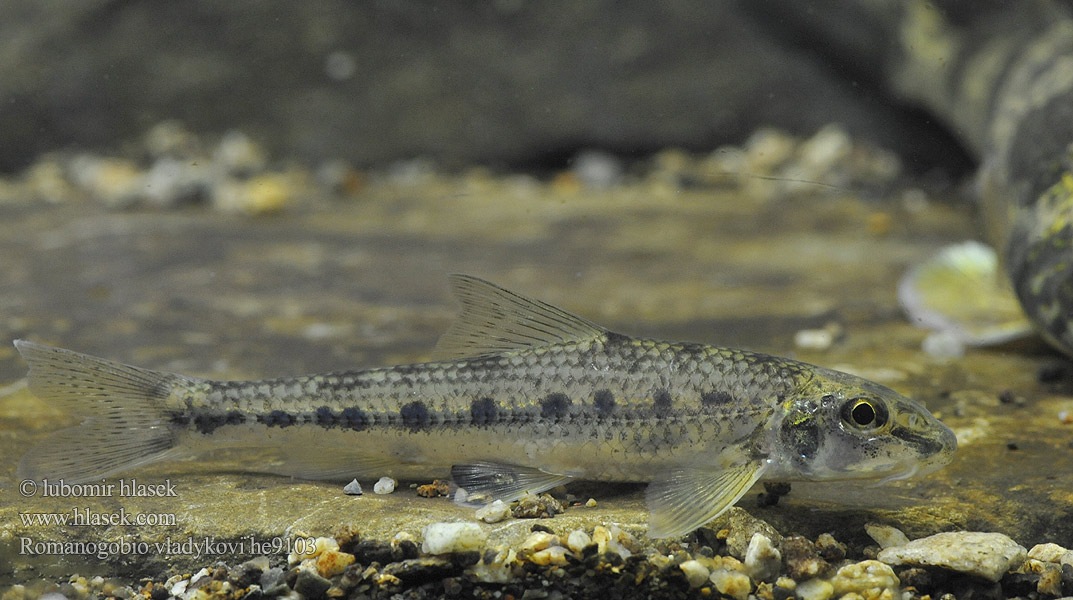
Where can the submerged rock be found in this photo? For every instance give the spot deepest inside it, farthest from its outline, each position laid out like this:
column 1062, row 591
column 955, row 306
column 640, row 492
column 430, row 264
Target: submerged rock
column 441, row 538
column 986, row 555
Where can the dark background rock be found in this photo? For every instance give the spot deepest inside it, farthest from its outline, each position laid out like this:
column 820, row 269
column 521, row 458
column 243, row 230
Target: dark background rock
column 508, row 83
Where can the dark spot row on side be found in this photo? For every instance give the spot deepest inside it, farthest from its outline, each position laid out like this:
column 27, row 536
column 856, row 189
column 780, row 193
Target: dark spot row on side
column 208, row 422
column 554, row 407
column 416, row 415
column 482, row 411
column 716, row 398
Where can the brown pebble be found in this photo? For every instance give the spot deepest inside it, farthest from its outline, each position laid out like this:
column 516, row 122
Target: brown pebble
column 802, row 559
column 1050, row 580
column 435, row 489
column 829, row 548
column 537, row 507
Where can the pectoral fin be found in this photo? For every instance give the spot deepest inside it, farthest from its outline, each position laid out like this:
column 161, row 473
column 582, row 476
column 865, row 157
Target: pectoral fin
column 488, row 481
column 682, row 500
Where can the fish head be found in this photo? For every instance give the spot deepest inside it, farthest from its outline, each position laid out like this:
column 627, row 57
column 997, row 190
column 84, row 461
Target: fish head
column 839, row 426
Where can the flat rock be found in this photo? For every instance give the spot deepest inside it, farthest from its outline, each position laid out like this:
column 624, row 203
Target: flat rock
column 986, row 555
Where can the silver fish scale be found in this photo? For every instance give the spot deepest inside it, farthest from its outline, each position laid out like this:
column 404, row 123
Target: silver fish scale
column 658, row 399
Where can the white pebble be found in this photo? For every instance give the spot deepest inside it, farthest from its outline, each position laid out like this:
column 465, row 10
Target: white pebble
column 732, row 583
column 179, row 588
column 353, row 488
column 597, row 169
column 578, row 540
column 553, row 555
column 864, row 576
column 441, row 538
column 539, row 540
column 762, row 559
column 814, row 339
column 385, row 485
column 1051, row 553
column 696, row 573
column 493, row 512
column 885, row 535
column 987, row 555
column 814, row 589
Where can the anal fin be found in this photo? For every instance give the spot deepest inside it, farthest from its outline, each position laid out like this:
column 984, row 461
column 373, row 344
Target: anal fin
column 682, row 500
column 488, row 481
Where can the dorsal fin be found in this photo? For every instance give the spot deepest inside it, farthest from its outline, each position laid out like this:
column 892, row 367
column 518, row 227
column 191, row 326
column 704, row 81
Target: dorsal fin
column 496, row 320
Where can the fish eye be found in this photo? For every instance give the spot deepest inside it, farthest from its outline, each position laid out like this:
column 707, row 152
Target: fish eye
column 863, row 413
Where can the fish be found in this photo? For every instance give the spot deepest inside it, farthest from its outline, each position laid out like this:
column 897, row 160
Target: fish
column 518, row 398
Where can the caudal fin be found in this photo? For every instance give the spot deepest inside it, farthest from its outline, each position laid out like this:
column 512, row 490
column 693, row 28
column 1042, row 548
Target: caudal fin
column 128, row 424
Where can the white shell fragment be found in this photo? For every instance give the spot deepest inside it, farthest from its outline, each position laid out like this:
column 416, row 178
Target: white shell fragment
column 385, row 485
column 987, row 555
column 442, row 538
column 353, row 488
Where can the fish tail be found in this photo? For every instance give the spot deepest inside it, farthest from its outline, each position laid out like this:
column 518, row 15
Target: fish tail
column 128, row 422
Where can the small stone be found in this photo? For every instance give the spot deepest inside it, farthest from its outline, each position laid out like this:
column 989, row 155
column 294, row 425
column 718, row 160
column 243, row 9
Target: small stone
column 353, row 488
column 421, row 570
column 113, row 182
column 537, row 507
column 179, row 588
column 813, row 339
column 696, row 573
column 578, row 540
column 829, row 548
column 762, row 559
column 590, row 503
column 987, row 555
column 802, row 559
column 333, row 562
column 1050, row 580
column 538, row 540
column 829, row 146
column 385, row 485
column 868, row 578
column 311, row 585
column 238, row 154
column 741, row 526
column 1051, row 553
column 435, row 489
column 441, row 538
column 597, row 169
column 262, row 194
column 885, row 535
column 814, row 589
column 732, row 583
column 607, row 541
column 553, row 555
column 493, row 512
